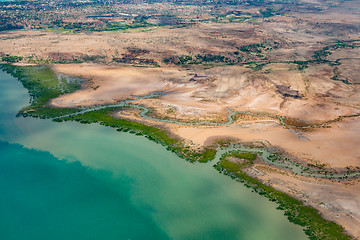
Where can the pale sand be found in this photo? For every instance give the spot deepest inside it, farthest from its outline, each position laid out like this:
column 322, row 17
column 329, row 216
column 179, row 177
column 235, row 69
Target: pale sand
column 111, row 84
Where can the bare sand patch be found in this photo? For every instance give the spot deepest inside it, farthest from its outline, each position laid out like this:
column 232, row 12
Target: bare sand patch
column 111, row 84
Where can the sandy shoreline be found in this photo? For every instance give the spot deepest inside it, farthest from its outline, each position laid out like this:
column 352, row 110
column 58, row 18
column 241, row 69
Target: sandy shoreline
column 336, row 147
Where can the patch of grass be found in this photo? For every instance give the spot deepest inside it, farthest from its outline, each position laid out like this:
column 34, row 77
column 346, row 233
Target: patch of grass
column 302, row 64
column 76, row 27
column 11, row 59
column 206, row 155
column 255, row 48
column 230, row 166
column 320, row 56
column 243, row 155
column 200, row 59
column 41, row 83
column 48, row 112
column 247, row 159
column 268, row 12
column 257, row 66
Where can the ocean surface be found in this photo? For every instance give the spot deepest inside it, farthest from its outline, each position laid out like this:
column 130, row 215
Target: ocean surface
column 74, row 181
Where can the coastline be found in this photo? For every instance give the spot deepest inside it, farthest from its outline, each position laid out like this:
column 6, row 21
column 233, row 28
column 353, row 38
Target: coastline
column 178, row 146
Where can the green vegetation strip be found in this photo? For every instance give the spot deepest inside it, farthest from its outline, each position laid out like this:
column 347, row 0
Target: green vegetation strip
column 41, row 83
column 11, row 59
column 175, row 145
column 315, row 226
column 76, row 27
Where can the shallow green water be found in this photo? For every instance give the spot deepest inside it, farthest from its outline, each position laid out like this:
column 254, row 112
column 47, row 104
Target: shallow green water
column 74, row 181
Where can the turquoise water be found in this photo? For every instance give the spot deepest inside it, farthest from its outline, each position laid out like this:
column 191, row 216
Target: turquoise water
column 74, row 181
column 44, row 198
